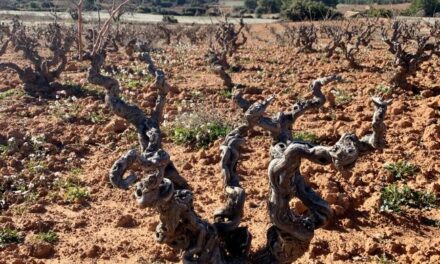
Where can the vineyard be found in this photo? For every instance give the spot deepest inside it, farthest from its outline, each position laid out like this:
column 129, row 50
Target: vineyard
column 311, row 142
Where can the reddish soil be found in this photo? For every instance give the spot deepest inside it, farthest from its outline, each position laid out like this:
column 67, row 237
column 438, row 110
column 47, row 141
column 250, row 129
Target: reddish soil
column 110, row 228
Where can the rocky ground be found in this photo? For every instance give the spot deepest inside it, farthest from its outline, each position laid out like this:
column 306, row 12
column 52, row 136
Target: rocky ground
column 56, row 155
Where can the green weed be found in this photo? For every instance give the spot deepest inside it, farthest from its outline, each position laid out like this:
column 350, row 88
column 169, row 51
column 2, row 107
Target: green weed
column 200, row 136
column 9, row 236
column 49, row 237
column 401, row 169
column 393, row 198
column 305, row 136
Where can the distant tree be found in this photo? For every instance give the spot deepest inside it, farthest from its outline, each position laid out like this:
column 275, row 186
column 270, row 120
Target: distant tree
column 271, row 6
column 34, row 5
column 425, row 7
column 250, row 4
column 331, row 3
column 90, row 4
column 298, row 10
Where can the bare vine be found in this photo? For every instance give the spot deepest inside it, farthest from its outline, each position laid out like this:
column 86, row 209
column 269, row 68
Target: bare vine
column 227, row 43
column 38, row 79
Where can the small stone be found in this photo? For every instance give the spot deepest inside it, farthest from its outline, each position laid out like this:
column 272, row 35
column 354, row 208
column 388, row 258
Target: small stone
column 397, row 108
column 116, row 125
column 80, row 224
column 253, row 205
column 152, row 226
column 204, row 161
column 38, row 225
column 431, row 137
column 202, row 154
column 411, row 249
column 338, row 210
column 18, row 261
column 71, row 67
column 397, row 248
column 427, row 93
column 92, row 252
column 347, row 223
column 404, row 123
column 5, row 219
column 331, row 198
column 187, row 166
column 42, row 250
column 126, row 221
column 37, row 209
column 298, row 206
column 371, row 246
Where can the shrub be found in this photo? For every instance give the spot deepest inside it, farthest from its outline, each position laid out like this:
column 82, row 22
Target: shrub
column 166, row 4
column 34, row 5
column 198, row 129
column 342, row 97
column 260, row 11
column 379, row 12
column 331, row 3
column 384, row 89
column 47, row 5
column 200, row 136
column 393, row 198
column 299, row 10
column 75, row 194
column 9, row 236
column 271, row 6
column 194, row 11
column 71, row 188
column 305, row 136
column 49, row 237
column 250, row 4
column 424, row 7
column 401, row 169
column 143, row 9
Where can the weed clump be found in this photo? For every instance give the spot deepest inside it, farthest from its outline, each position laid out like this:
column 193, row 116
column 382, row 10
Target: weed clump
column 71, row 189
column 49, row 237
column 342, row 97
column 9, row 236
column 401, row 169
column 393, row 198
column 198, row 129
column 199, row 136
column 305, row 136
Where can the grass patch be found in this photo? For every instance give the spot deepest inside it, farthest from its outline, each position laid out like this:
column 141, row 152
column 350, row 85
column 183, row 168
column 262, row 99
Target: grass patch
column 49, row 237
column 132, row 84
column 394, row 198
column 401, row 169
column 305, row 136
column 76, row 194
column 342, row 97
column 10, row 93
column 199, row 128
column 9, row 236
column 67, row 111
column 200, row 136
column 71, row 188
column 226, row 93
column 36, row 167
column 4, row 150
column 385, row 259
column 98, row 117
column 75, row 172
column 383, row 89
